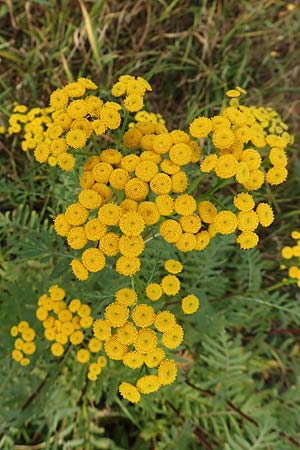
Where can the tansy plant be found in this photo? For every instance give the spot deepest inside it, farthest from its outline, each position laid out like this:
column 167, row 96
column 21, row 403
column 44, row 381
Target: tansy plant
column 148, row 182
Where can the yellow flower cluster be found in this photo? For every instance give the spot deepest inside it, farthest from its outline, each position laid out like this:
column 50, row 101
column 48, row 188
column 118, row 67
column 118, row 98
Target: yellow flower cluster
column 24, row 344
column 134, row 90
column 293, row 253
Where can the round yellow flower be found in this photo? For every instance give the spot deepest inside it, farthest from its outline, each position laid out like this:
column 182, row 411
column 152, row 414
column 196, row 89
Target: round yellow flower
column 265, row 214
column 226, row 166
column 165, row 204
column 276, row 175
column 132, row 224
column 154, row 291
column 186, row 242
column 145, row 341
column 109, row 214
column 132, row 138
column 133, row 360
column 247, row 240
column 225, row 222
column 118, row 179
column 145, row 170
column 180, row 154
column 127, row 333
column 131, row 245
column 136, row 189
column 242, row 172
column 190, row 224
column 77, row 337
column 173, row 337
column 114, row 349
column 252, row 158
column 129, row 392
column 111, row 117
column 170, row 230
column 126, row 296
column 59, row 99
column 167, row 371
column 116, row 314
column 190, row 304
column 179, row 182
column 66, row 162
column 149, row 212
column 148, row 384
column 76, row 138
column 255, row 180
column 95, row 230
column 90, row 199
column 185, row 205
column 170, row 285
column 130, row 162
column 173, row 266
column 162, row 143
column 207, row 211
column 76, row 238
column 154, row 358
column 61, row 225
column 102, row 171
column 161, row 183
column 109, row 244
column 78, row 269
column 93, row 259
column 247, row 220
column 102, row 329
column 128, row 266
column 143, row 315
column 76, row 214
column 200, row 127
column 134, row 103
column 169, row 167
column 223, row 138
column 278, row 157
column 57, row 349
column 209, row 163
column 83, row 356
column 94, row 345
column 244, row 201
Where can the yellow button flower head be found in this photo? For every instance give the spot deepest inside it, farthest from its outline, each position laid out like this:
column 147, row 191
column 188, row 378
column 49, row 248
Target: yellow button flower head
column 118, row 179
column 252, row 158
column 109, row 214
column 170, row 230
column 180, row 154
column 109, row 244
column 57, row 349
column 66, row 162
column 129, row 162
column 76, row 214
column 102, row 171
column 102, row 329
column 164, row 321
column 77, row 238
column 185, row 205
column 131, row 245
column 162, row 143
column 145, row 341
column 223, row 138
column 56, row 293
column 75, row 89
column 265, row 214
column 232, row 93
column 287, row 252
column 132, row 224
column 173, row 337
column 90, row 199
column 167, row 371
column 93, row 259
column 173, row 266
column 247, row 240
column 209, row 163
column 226, row 166
column 247, row 221
column 190, row 304
column 186, row 242
column 148, row 384
column 154, row 358
column 83, row 356
column 225, row 222
column 129, row 392
column 128, row 266
column 126, row 296
column 169, row 167
column 200, row 127
column 94, row 230
column 145, row 170
column 295, row 234
column 179, row 182
column 127, row 334
column 244, row 201
column 134, row 103
column 59, row 99
column 132, row 138
column 110, row 116
column 165, row 204
column 207, row 211
column 116, row 314
column 190, row 224
column 276, row 175
column 143, row 315
column 154, row 291
column 76, row 138
column 278, row 157
column 161, row 183
column 242, row 172
column 114, row 349
column 255, row 180
column 79, row 270
column 133, row 360
column 136, row 189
